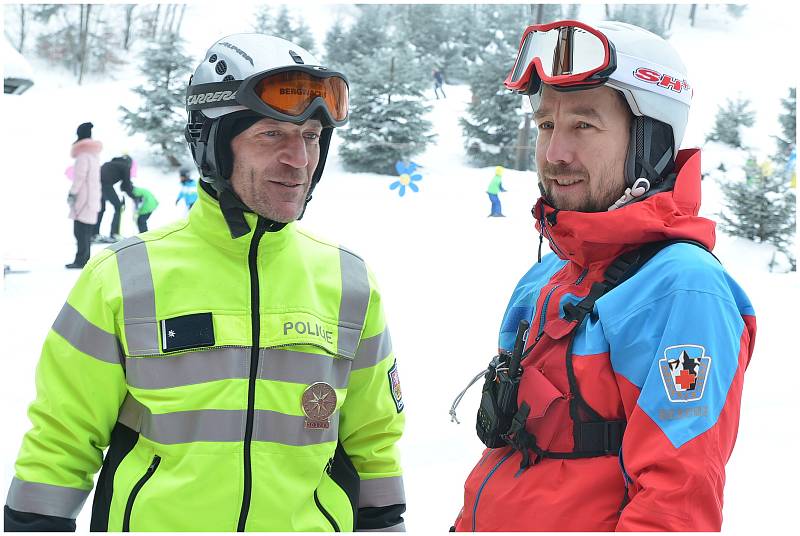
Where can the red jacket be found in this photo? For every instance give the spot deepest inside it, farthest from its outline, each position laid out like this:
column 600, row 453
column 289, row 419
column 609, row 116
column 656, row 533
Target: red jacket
column 665, row 351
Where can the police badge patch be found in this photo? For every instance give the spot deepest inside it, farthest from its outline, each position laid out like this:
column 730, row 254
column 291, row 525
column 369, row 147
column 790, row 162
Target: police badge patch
column 394, row 387
column 684, row 371
column 319, row 403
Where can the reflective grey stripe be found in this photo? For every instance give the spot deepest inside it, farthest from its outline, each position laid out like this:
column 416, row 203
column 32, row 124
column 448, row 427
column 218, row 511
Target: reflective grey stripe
column 187, row 369
column 381, row 492
column 233, row 363
column 138, row 296
column 305, row 368
column 132, row 413
column 222, row 426
column 355, row 299
column 46, row 499
column 373, row 350
column 400, row 527
column 291, row 430
column 85, row 336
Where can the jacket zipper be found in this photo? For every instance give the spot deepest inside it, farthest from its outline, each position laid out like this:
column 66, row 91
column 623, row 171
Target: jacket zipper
column 485, row 480
column 542, row 316
column 126, row 520
column 546, row 232
column 538, row 336
column 547, row 302
column 321, row 508
column 252, row 260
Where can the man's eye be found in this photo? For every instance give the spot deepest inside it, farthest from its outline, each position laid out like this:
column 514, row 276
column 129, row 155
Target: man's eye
column 545, row 125
column 311, row 136
column 271, row 133
column 583, row 125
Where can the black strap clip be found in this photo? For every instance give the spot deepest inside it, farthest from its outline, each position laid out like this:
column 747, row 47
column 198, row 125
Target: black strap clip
column 601, row 437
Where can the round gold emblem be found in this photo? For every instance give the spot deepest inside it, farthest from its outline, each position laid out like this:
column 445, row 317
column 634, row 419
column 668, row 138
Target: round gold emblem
column 319, row 401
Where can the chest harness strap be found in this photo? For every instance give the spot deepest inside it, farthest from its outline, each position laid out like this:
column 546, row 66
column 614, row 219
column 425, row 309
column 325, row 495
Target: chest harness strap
column 593, row 436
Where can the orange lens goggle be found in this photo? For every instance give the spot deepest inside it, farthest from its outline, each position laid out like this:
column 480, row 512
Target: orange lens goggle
column 292, row 92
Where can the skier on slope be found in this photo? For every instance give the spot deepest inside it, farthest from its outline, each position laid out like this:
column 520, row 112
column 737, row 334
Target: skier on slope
column 188, row 189
column 493, row 190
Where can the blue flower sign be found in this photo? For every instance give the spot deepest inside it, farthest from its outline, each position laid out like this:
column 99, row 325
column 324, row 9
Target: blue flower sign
column 407, row 177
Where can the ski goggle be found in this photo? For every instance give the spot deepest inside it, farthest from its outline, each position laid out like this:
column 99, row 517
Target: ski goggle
column 567, row 54
column 292, row 94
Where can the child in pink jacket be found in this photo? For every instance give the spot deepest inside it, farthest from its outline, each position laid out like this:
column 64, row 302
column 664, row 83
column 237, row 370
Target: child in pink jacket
column 84, row 196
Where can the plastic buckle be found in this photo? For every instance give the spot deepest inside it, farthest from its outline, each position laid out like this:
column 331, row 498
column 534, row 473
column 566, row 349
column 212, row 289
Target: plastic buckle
column 609, row 428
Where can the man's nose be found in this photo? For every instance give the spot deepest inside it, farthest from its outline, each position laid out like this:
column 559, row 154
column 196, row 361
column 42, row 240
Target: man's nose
column 293, row 151
column 561, row 147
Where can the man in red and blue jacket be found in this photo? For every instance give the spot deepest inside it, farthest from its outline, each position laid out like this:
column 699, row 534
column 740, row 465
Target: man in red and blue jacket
column 629, row 413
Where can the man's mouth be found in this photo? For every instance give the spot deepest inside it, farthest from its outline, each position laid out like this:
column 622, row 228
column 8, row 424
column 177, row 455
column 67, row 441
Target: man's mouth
column 289, row 184
column 565, row 181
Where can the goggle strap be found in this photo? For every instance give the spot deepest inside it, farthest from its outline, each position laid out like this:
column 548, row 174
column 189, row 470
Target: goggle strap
column 213, row 95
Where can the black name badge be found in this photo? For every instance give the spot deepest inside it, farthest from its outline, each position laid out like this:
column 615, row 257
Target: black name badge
column 189, row 331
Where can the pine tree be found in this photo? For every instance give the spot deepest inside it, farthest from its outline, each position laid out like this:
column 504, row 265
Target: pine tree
column 336, row 55
column 425, row 29
column 264, row 21
column 494, row 115
column 160, row 117
column 729, row 119
column 81, row 38
column 281, row 24
column 761, row 208
column 301, row 34
column 788, row 120
column 651, row 17
column 386, row 103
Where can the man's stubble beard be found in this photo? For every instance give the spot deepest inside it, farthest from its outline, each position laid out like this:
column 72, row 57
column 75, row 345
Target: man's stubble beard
column 258, row 200
column 606, row 196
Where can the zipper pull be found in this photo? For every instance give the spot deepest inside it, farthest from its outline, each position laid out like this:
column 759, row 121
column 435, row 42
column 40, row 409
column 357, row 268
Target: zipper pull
column 154, row 463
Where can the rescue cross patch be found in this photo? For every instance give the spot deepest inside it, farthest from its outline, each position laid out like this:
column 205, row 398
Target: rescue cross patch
column 684, row 371
column 394, row 387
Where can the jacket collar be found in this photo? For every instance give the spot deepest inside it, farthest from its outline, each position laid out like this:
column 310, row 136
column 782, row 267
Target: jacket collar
column 206, row 220
column 589, row 238
column 87, row 145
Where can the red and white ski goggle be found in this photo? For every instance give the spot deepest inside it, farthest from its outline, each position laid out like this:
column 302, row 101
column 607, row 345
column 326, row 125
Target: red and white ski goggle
column 571, row 55
column 565, row 53
column 292, row 94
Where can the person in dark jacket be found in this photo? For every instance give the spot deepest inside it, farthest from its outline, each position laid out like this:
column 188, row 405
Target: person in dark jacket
column 438, row 83
column 118, row 169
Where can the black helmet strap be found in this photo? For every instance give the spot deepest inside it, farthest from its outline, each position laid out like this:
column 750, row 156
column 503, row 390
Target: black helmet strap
column 650, row 151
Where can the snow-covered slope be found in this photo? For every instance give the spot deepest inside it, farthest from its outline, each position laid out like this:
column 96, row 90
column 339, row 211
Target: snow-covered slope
column 445, row 269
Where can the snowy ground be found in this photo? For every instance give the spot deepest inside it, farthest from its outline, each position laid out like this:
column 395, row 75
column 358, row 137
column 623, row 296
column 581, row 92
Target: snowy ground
column 445, row 270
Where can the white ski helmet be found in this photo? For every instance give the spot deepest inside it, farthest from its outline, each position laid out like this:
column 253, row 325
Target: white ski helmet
column 245, row 77
column 639, row 64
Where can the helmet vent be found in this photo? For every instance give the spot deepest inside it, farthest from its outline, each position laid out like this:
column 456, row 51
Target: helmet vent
column 221, row 67
column 296, row 57
column 228, row 78
column 212, row 58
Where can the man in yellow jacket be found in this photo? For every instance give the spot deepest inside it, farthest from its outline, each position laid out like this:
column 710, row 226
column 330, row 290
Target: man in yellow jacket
column 239, row 370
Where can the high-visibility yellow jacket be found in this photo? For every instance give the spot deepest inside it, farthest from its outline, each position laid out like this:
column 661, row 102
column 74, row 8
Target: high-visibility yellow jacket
column 192, row 355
